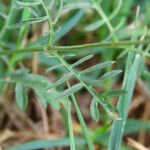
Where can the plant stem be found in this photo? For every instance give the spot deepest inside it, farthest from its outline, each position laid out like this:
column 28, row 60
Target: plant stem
column 105, row 18
column 72, row 142
column 50, row 23
column 3, row 31
column 83, row 125
column 119, row 44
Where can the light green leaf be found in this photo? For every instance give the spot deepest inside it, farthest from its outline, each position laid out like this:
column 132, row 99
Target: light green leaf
column 82, row 60
column 133, row 125
column 53, row 67
column 70, row 91
column 60, row 81
column 36, row 82
column 21, row 96
column 27, row 22
column 29, row 80
column 51, row 3
column 94, row 25
column 114, row 93
column 27, row 3
column 107, row 75
column 58, row 12
column 3, row 15
column 34, row 20
column 94, row 110
column 46, row 97
column 51, row 143
column 97, row 66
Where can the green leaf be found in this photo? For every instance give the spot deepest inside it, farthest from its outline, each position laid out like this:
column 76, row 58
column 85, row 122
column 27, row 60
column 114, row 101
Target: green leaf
column 109, row 108
column 97, row 66
column 68, row 55
column 112, row 111
column 51, row 3
column 107, row 75
column 70, row 91
column 21, row 96
column 27, row 3
column 60, row 81
column 82, row 60
column 29, row 80
column 133, row 62
column 147, row 73
column 94, row 110
column 36, row 82
column 3, row 15
column 132, row 66
column 53, row 67
column 94, row 25
column 47, row 97
column 40, row 144
column 34, row 20
column 24, row 29
column 27, row 22
column 58, row 12
column 133, row 125
column 114, row 93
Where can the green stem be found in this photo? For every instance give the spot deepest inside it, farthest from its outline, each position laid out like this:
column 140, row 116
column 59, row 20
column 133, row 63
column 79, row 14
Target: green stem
column 3, row 31
column 50, row 23
column 23, row 50
column 105, row 18
column 83, row 125
column 25, row 15
column 72, row 141
column 119, row 44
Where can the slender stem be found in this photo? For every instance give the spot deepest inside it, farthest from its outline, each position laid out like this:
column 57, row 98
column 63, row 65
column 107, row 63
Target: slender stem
column 105, row 18
column 72, row 141
column 83, row 125
column 23, row 50
column 3, row 31
column 119, row 44
column 50, row 23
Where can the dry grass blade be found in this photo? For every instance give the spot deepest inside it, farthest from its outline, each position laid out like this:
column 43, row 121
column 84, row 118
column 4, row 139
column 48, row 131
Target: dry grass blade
column 136, row 144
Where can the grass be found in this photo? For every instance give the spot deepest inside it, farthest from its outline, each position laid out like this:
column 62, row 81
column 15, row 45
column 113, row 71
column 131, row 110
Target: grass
column 55, row 51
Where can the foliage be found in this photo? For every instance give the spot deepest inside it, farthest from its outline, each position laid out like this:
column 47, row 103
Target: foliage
column 118, row 40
